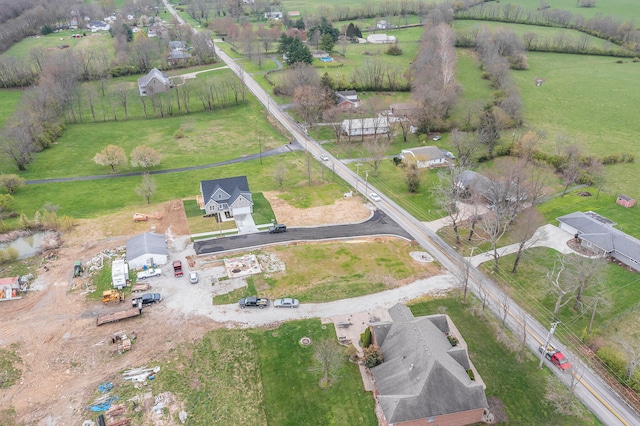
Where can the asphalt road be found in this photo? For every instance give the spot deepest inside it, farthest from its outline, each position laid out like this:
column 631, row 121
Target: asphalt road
column 378, row 224
column 603, row 401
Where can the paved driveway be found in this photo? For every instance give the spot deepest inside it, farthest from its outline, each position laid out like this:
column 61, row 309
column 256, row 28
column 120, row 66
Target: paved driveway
column 378, row 224
column 245, row 224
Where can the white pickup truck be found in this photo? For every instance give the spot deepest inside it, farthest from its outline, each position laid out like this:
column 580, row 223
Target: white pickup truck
column 148, row 273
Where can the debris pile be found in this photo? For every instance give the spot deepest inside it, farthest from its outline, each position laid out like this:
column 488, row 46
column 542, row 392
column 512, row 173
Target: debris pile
column 139, row 376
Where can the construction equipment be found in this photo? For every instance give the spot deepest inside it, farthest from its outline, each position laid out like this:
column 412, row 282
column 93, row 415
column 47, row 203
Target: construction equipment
column 140, row 217
column 78, row 269
column 109, row 295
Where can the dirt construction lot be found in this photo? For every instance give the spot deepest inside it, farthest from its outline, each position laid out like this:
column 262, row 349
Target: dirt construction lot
column 66, row 356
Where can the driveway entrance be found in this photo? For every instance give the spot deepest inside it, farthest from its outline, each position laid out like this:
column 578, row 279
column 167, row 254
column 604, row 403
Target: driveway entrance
column 245, row 224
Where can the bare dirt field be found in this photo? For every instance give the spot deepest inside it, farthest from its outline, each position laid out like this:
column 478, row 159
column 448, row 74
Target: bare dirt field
column 65, row 355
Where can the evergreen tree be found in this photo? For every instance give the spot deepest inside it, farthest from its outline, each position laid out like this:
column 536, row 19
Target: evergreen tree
column 298, row 52
column 326, row 43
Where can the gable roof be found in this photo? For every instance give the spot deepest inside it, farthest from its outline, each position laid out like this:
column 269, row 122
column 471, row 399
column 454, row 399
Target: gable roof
column 605, row 237
column 164, row 78
column 422, row 374
column 425, row 153
column 233, row 187
column 147, row 243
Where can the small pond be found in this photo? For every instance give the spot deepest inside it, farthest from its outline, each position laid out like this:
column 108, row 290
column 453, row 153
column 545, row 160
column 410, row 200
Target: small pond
column 26, row 246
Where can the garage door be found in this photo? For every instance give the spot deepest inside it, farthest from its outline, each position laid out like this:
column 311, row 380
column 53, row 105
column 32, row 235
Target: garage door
column 242, row 210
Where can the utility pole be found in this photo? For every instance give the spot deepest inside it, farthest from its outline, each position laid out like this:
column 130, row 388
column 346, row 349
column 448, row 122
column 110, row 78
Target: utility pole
column 466, row 276
column 546, row 342
column 260, row 145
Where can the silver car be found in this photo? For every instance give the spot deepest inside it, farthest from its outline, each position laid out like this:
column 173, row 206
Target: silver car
column 193, row 277
column 287, row 302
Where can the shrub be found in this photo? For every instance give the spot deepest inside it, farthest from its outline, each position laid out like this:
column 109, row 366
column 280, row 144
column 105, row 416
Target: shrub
column 365, row 338
column 8, row 255
column 394, row 50
column 179, row 134
column 372, row 356
column 453, row 340
column 471, row 375
column 613, row 359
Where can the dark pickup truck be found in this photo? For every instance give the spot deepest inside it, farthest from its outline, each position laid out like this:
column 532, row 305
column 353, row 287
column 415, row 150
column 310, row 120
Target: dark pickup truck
column 253, row 302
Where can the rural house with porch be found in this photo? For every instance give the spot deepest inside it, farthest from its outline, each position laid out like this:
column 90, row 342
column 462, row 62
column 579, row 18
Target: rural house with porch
column 225, row 197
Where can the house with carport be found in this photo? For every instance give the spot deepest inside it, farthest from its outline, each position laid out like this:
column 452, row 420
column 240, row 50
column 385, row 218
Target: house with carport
column 147, row 250
column 425, row 379
column 225, row 198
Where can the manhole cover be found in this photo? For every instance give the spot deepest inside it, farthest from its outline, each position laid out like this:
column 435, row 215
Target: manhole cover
column 305, row 341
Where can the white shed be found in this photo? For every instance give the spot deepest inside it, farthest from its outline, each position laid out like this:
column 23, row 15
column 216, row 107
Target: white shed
column 381, row 39
column 147, row 249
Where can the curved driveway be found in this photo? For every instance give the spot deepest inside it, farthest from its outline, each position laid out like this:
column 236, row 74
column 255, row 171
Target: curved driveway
column 378, row 224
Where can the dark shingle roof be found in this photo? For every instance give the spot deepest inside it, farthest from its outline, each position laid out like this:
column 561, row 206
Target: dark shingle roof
column 606, row 237
column 422, row 374
column 234, row 186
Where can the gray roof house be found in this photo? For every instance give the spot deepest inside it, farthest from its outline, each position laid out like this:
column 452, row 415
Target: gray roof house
column 177, row 45
column 598, row 234
column 154, row 82
column 226, row 197
column 424, row 379
column 424, row 156
column 147, row 249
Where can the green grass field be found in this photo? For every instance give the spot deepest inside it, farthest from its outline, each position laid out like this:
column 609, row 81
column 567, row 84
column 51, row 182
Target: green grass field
column 9, row 98
column 95, row 41
column 542, row 32
column 625, row 9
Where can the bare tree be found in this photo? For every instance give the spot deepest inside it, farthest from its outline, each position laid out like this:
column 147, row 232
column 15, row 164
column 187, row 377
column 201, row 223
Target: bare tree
column 585, row 272
column 111, row 156
column 377, row 148
column 329, row 357
column 147, row 187
column 572, row 167
column 448, row 194
column 631, row 347
column 465, row 145
column 279, row 175
column 16, row 145
column 145, row 157
column 311, row 102
column 559, row 284
column 524, row 230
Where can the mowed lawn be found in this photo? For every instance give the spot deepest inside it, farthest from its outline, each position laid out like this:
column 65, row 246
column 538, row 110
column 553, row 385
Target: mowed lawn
column 9, row 98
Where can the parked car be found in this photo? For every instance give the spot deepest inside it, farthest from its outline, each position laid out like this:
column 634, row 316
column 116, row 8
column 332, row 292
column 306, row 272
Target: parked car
column 277, row 228
column 148, row 273
column 286, row 302
column 375, row 197
column 253, row 302
column 437, row 138
column 147, row 299
column 193, row 277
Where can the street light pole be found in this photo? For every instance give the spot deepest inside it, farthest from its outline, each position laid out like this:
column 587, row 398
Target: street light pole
column 366, row 183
